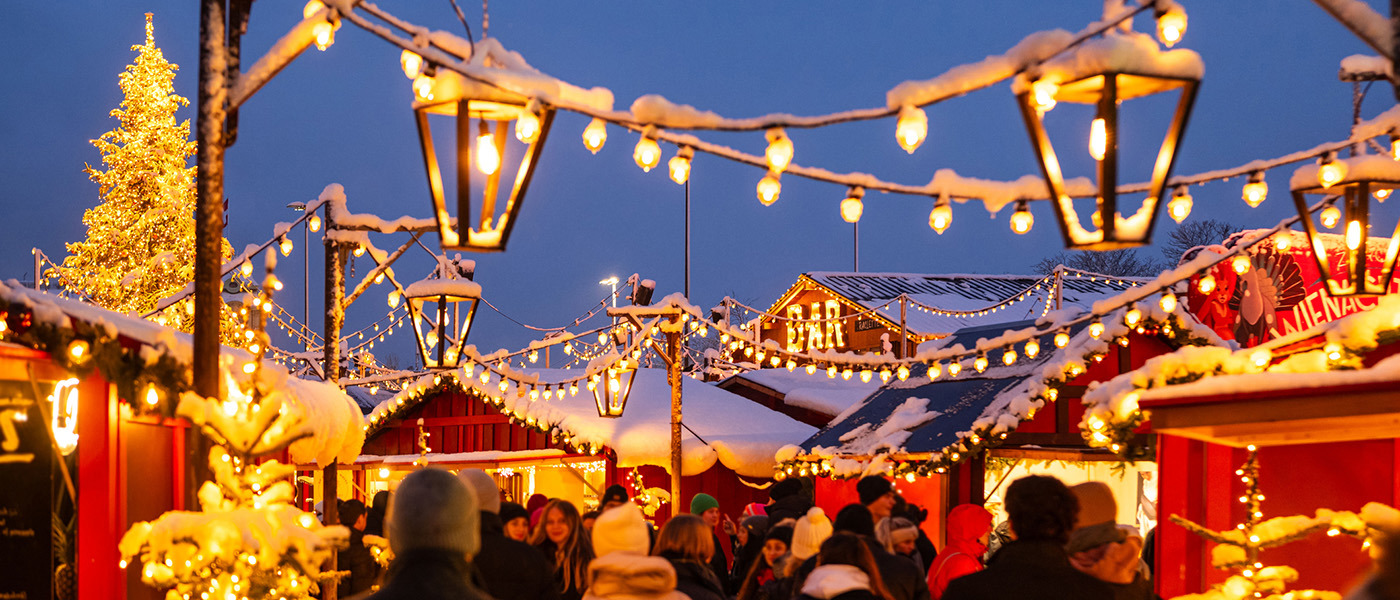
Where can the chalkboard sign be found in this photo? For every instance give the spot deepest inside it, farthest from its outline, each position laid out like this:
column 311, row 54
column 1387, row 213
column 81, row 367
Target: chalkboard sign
column 26, row 488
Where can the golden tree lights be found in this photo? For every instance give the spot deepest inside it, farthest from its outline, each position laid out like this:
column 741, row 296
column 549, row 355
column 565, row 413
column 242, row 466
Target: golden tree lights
column 139, row 247
column 1349, row 266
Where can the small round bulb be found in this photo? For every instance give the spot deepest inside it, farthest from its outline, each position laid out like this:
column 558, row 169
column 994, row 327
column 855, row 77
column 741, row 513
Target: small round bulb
column 768, row 189
column 779, row 152
column 1331, row 216
column 423, row 87
column 679, row 166
column 647, row 154
column 1043, row 95
column 1022, row 219
column 1171, row 25
column 852, row 207
column 1331, row 172
column 1256, row 190
column 1180, row 205
column 941, row 217
column 595, row 135
column 1206, row 284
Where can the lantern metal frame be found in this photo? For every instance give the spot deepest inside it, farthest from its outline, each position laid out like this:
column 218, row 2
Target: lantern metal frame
column 1355, row 197
column 611, row 403
column 458, row 326
column 1103, row 89
column 488, row 231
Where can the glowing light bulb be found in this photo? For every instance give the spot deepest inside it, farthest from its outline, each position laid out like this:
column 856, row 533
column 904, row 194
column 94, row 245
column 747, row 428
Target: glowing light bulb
column 1022, row 219
column 246, row 269
column 768, row 188
column 324, row 33
column 1261, row 358
column 852, row 206
column 779, row 152
column 595, row 135
column 1132, row 317
column 1043, row 95
column 1032, row 348
column 1240, row 264
column 912, row 128
column 1395, row 147
column 412, row 64
column 1206, row 284
column 1382, row 194
column 1098, row 138
column 1168, row 301
column 152, row 397
column 1256, row 190
column 1331, row 172
column 1331, row 216
column 1283, row 241
column 1061, row 339
column 1095, row 329
column 488, row 158
column 285, row 246
column 647, row 154
column 954, row 368
column 1353, row 234
column 358, row 251
column 1180, row 205
column 311, row 8
column 1171, row 25
column 423, row 87
column 680, row 165
column 314, row 223
column 1008, row 357
column 527, row 126
column 902, row 372
column 942, row 216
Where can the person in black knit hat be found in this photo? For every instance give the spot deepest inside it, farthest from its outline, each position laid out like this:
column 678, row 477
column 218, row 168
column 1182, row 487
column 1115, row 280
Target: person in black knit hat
column 877, row 494
column 790, row 501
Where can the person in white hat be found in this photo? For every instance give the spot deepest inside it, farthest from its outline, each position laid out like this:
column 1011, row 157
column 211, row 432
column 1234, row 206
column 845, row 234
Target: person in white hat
column 622, row 570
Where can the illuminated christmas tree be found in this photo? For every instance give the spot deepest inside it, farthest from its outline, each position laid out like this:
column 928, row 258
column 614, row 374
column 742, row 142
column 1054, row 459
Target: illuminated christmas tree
column 140, row 241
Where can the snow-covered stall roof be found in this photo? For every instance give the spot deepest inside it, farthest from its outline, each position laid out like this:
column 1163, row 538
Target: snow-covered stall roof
column 963, row 292
column 740, row 434
column 918, row 418
column 818, row 393
column 333, row 416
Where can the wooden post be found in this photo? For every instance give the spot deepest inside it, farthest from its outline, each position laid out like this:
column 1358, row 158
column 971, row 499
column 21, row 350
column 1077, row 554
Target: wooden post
column 1059, row 285
column 335, row 319
column 673, row 376
column 903, row 328
column 209, row 226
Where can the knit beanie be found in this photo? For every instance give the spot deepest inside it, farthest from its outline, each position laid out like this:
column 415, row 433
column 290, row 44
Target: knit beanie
column 434, row 509
column 756, row 525
column 871, row 488
column 895, row 530
column 809, row 533
column 754, row 509
column 701, row 503
column 1096, row 524
column 784, row 488
column 621, row 529
column 488, row 496
column 782, row 534
column 855, row 518
column 511, row 511
column 614, row 493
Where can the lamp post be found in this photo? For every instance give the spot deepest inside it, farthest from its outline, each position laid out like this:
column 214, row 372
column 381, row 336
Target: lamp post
column 305, row 270
column 672, row 356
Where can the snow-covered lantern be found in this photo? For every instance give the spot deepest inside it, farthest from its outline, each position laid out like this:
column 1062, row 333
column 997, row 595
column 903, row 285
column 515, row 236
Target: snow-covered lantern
column 1363, row 269
column 611, row 388
column 495, row 129
column 1103, row 73
column 442, row 309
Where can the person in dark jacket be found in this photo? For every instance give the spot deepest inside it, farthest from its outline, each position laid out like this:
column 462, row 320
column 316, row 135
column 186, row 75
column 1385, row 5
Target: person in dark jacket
column 917, row 515
column 789, row 501
column 748, row 545
column 433, row 532
column 687, row 542
column 845, row 571
column 515, row 520
column 707, row 508
column 374, row 521
column 356, row 559
column 766, row 577
column 508, row 569
column 904, row 579
column 564, row 542
column 1034, row 566
column 876, row 494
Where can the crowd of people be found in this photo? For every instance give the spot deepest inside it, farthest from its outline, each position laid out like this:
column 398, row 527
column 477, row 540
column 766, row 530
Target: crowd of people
column 453, row 536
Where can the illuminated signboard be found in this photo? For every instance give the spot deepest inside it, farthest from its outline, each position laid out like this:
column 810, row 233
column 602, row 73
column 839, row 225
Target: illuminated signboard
column 815, row 326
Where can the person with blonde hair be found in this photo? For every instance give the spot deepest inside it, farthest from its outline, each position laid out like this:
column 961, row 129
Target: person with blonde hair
column 562, row 539
column 686, row 541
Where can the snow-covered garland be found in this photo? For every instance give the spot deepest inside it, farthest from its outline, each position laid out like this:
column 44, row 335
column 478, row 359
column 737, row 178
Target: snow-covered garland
column 1073, row 358
column 139, row 372
column 1112, row 410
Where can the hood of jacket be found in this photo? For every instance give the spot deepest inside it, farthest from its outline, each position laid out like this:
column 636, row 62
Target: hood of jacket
column 829, row 581
column 621, row 576
column 967, row 523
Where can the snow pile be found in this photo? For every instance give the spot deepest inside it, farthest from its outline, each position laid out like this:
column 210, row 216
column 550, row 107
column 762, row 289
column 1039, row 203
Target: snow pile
column 1129, row 53
column 736, row 432
column 869, row 439
column 965, row 78
column 454, row 289
column 511, row 78
column 1363, row 66
column 819, row 393
column 1366, row 167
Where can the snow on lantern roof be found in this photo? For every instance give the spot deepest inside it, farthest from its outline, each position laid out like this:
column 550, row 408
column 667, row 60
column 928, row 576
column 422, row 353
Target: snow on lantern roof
column 817, row 393
column 332, row 415
column 1129, row 53
column 515, row 81
column 917, row 419
column 1363, row 67
column 452, row 288
column 737, row 432
column 963, row 292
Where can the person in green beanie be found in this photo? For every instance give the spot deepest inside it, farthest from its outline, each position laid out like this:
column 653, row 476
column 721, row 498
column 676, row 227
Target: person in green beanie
column 706, row 507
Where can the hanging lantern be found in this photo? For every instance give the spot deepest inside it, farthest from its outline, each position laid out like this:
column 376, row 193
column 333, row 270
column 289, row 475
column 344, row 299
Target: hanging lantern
column 611, row 394
column 486, row 119
column 1106, row 87
column 1369, row 173
column 442, row 310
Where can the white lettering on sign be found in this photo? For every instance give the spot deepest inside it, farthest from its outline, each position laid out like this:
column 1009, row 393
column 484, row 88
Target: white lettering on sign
column 815, row 327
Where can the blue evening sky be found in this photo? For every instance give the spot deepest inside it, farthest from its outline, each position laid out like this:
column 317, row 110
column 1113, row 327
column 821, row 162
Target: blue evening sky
column 343, row 116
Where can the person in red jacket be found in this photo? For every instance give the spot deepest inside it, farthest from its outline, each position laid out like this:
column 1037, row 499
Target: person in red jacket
column 968, row 526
